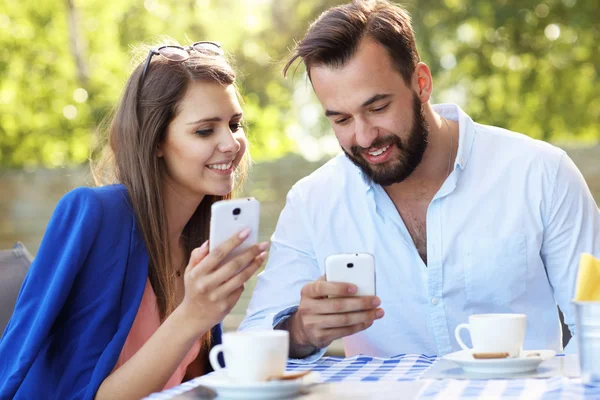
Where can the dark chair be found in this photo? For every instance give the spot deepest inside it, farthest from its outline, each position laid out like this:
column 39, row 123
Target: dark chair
column 14, row 265
column 566, row 333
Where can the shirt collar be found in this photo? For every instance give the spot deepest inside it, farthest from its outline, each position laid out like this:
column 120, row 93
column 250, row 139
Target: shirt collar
column 466, row 131
column 363, row 181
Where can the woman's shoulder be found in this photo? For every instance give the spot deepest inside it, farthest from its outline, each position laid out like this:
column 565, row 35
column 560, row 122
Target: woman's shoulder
column 97, row 200
column 110, row 194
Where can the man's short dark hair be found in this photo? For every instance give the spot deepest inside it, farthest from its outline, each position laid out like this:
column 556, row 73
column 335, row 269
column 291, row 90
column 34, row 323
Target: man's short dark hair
column 334, row 37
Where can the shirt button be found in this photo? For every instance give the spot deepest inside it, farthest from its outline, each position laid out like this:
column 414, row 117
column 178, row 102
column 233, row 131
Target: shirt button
column 435, row 301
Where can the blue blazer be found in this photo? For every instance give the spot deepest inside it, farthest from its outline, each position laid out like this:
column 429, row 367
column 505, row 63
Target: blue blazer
column 78, row 300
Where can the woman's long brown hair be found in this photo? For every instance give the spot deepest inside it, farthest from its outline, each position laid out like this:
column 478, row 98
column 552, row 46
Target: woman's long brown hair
column 139, row 124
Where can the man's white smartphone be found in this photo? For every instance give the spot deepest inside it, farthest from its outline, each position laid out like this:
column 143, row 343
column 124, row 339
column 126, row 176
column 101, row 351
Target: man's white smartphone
column 355, row 268
column 229, row 217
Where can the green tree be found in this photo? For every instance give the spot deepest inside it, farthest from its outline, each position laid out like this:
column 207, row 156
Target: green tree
column 530, row 66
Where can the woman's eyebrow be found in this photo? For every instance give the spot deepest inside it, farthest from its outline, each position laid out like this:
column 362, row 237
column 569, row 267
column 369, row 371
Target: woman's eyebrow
column 213, row 119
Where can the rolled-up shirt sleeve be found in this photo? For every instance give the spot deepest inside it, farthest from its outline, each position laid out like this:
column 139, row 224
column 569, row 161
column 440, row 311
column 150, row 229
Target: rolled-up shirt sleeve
column 291, row 265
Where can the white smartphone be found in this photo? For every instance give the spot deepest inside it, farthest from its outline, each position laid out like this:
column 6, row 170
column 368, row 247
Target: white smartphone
column 355, row 268
column 228, row 217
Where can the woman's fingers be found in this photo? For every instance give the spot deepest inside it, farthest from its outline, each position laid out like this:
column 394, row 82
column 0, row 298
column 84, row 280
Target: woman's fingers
column 216, row 256
column 237, row 281
column 229, row 269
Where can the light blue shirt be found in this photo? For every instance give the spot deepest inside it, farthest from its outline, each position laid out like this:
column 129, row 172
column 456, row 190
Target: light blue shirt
column 504, row 235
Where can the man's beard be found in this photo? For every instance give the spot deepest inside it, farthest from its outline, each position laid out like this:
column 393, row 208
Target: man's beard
column 410, row 152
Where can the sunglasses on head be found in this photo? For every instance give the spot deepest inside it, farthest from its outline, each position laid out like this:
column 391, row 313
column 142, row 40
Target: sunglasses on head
column 176, row 53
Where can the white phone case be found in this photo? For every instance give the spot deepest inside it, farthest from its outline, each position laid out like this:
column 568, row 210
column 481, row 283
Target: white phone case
column 355, row 268
column 229, row 217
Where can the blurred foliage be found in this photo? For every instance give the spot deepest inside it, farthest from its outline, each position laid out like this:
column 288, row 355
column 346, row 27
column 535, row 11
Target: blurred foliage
column 530, row 66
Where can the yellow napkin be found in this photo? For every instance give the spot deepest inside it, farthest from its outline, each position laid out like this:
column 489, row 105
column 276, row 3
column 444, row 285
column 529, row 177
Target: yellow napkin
column 588, row 279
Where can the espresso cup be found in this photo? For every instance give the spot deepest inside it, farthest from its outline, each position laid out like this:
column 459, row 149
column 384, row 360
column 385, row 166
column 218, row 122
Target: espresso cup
column 252, row 356
column 494, row 333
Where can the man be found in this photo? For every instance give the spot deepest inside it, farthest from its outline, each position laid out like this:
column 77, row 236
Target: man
column 461, row 218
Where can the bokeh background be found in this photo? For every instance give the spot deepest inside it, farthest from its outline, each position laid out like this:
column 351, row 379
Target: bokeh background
column 526, row 65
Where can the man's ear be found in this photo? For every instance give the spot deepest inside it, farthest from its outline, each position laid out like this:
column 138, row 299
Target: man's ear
column 422, row 82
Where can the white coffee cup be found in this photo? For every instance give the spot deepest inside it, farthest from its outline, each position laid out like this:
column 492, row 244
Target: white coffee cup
column 252, row 356
column 494, row 333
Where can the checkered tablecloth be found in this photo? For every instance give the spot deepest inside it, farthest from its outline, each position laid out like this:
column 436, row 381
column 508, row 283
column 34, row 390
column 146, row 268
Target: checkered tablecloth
column 403, row 367
column 411, row 366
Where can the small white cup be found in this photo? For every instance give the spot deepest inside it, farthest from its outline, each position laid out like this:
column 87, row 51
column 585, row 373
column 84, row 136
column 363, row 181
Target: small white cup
column 252, row 356
column 494, row 333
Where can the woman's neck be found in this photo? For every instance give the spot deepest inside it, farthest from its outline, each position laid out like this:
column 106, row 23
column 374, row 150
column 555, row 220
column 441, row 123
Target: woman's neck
column 179, row 208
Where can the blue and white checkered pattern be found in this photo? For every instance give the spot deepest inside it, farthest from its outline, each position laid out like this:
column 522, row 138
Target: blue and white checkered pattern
column 408, row 367
column 403, row 367
column 534, row 389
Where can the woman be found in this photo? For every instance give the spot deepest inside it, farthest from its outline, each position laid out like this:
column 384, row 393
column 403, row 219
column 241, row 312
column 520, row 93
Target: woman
column 123, row 298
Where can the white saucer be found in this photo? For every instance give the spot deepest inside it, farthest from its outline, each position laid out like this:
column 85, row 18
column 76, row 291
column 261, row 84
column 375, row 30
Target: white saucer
column 516, row 365
column 227, row 388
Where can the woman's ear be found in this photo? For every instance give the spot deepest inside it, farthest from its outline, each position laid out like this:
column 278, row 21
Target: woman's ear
column 159, row 150
column 422, row 82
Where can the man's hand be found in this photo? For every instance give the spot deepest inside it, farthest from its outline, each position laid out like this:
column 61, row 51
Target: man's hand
column 321, row 318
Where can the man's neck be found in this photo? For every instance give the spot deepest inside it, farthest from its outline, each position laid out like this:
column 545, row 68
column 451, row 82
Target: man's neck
column 436, row 165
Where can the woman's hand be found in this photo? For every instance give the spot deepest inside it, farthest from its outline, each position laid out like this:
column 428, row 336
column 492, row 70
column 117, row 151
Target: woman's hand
column 212, row 287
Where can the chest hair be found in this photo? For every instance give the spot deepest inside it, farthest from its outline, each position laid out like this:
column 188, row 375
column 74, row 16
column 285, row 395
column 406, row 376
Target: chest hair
column 415, row 222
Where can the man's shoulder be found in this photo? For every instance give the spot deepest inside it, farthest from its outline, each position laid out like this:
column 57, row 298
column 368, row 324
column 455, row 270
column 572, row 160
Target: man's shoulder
column 504, row 141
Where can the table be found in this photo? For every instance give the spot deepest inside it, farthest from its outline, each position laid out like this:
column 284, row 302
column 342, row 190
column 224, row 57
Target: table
column 363, row 377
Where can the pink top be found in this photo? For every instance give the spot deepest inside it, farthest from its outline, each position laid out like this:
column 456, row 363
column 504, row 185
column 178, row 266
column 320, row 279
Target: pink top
column 146, row 323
